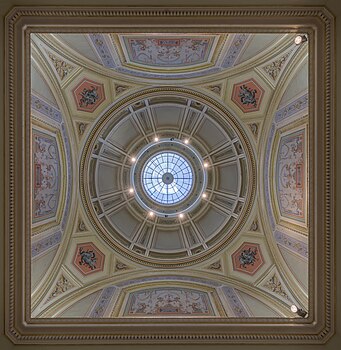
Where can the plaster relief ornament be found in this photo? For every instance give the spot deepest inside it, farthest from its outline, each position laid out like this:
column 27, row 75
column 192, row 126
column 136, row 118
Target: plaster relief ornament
column 275, row 285
column 119, row 89
column 62, row 285
column 81, row 226
column 62, row 68
column 275, row 67
column 254, row 127
column 81, row 128
column 215, row 88
column 254, row 226
column 120, row 266
column 215, row 266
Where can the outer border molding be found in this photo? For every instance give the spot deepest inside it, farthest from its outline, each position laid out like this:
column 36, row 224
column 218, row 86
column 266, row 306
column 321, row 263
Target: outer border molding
column 319, row 327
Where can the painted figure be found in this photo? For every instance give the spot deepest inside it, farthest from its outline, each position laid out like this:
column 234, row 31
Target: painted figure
column 89, row 97
column 248, row 96
column 87, row 258
column 247, row 257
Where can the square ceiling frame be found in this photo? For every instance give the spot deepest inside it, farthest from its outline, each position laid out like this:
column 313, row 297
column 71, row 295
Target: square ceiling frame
column 318, row 22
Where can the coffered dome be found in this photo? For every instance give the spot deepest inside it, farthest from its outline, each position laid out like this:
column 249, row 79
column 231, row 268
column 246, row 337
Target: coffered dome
column 167, row 176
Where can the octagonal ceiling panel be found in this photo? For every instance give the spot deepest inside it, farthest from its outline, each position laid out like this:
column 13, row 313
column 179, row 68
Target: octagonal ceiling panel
column 248, row 258
column 88, row 258
column 88, row 95
column 247, row 95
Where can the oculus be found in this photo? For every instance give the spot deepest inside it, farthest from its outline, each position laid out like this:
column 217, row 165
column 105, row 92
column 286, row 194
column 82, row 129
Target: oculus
column 168, row 177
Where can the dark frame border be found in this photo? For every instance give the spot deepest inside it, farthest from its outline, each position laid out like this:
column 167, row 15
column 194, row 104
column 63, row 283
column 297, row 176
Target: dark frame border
column 320, row 327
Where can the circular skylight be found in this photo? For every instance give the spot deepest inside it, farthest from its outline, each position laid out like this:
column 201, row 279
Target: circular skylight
column 167, row 178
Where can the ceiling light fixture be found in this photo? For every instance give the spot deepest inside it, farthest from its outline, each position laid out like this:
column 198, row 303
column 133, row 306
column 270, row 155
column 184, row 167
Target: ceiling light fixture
column 131, row 190
column 186, row 141
column 300, row 312
column 293, row 308
column 300, row 39
column 181, row 216
column 204, row 195
column 151, row 214
column 206, row 165
column 156, row 139
column 133, row 159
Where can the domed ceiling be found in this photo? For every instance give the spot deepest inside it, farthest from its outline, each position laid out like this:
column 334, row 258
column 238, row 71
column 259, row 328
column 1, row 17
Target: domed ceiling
column 170, row 175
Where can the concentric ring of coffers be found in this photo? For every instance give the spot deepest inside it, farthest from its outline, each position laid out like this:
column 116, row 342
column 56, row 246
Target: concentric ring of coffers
column 112, row 151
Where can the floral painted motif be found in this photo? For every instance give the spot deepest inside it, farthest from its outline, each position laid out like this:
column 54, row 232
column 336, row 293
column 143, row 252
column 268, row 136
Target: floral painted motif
column 247, row 95
column 237, row 44
column 88, row 258
column 169, row 302
column 46, row 176
column 88, row 95
column 247, row 258
column 103, row 302
column 235, row 303
column 290, row 171
column 168, row 51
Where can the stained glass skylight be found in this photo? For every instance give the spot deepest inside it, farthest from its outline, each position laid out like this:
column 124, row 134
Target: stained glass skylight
column 167, row 178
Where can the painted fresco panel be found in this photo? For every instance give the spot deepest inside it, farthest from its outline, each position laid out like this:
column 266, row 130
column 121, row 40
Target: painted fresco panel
column 291, row 176
column 168, row 51
column 46, row 176
column 169, row 302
